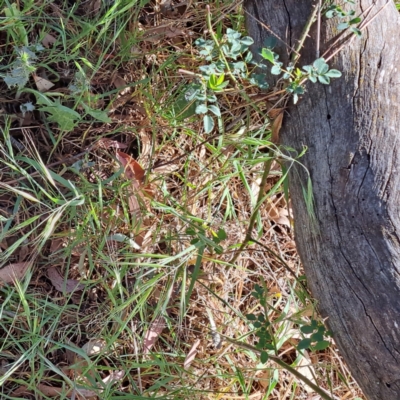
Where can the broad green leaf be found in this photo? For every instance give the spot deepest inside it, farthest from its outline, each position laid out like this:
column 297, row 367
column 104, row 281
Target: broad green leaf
column 222, row 234
column 276, row 70
column 247, row 41
column 97, row 114
column 317, row 337
column 270, row 42
column 355, row 21
column 208, row 124
column 268, row 55
column 324, row 344
column 65, row 117
column 264, row 357
column 342, row 26
column 215, row 110
column 304, row 344
column 324, row 79
column 201, row 109
column 356, row 31
column 320, row 65
column 307, row 329
column 333, row 73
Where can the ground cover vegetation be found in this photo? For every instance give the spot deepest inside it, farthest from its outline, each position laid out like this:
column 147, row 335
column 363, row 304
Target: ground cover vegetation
column 146, row 244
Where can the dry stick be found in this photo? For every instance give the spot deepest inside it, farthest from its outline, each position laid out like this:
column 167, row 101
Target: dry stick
column 318, row 28
column 281, row 363
column 270, row 31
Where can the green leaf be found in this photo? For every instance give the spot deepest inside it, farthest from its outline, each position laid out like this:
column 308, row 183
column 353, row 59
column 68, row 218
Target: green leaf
column 268, row 55
column 208, row 123
column 264, row 357
column 251, row 317
column 307, row 329
column 18, row 76
column 222, row 234
column 320, row 65
column 324, row 79
column 304, row 344
column 220, row 79
column 270, row 42
column 356, row 31
column 201, row 109
column 97, row 114
column 324, row 344
column 215, row 110
column 65, row 117
column 276, row 70
column 333, row 73
column 314, row 323
column 355, row 21
column 247, row 41
column 342, row 26
column 259, row 81
column 317, row 337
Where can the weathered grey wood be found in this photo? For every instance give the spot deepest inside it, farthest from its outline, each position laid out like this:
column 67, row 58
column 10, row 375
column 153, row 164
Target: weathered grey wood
column 351, row 127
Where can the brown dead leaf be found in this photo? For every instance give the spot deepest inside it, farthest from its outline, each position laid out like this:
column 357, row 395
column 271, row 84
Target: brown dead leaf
column 277, row 115
column 43, row 85
column 62, row 285
column 264, row 378
column 151, row 336
column 161, row 32
column 13, row 272
column 146, row 147
column 277, row 214
column 118, row 81
column 191, row 355
column 48, row 40
column 132, row 168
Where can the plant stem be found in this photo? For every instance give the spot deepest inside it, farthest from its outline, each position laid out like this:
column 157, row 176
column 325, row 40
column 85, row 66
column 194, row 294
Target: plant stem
column 260, row 200
column 281, row 363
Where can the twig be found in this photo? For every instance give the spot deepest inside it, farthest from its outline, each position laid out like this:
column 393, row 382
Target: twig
column 318, row 28
column 270, row 31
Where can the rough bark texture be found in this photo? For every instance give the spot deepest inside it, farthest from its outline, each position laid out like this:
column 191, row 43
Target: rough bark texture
column 351, row 255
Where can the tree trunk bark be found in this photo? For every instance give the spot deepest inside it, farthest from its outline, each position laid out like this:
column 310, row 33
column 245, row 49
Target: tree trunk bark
column 351, row 252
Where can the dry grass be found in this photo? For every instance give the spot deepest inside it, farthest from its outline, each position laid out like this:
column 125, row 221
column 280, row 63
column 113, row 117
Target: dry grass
column 152, row 311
